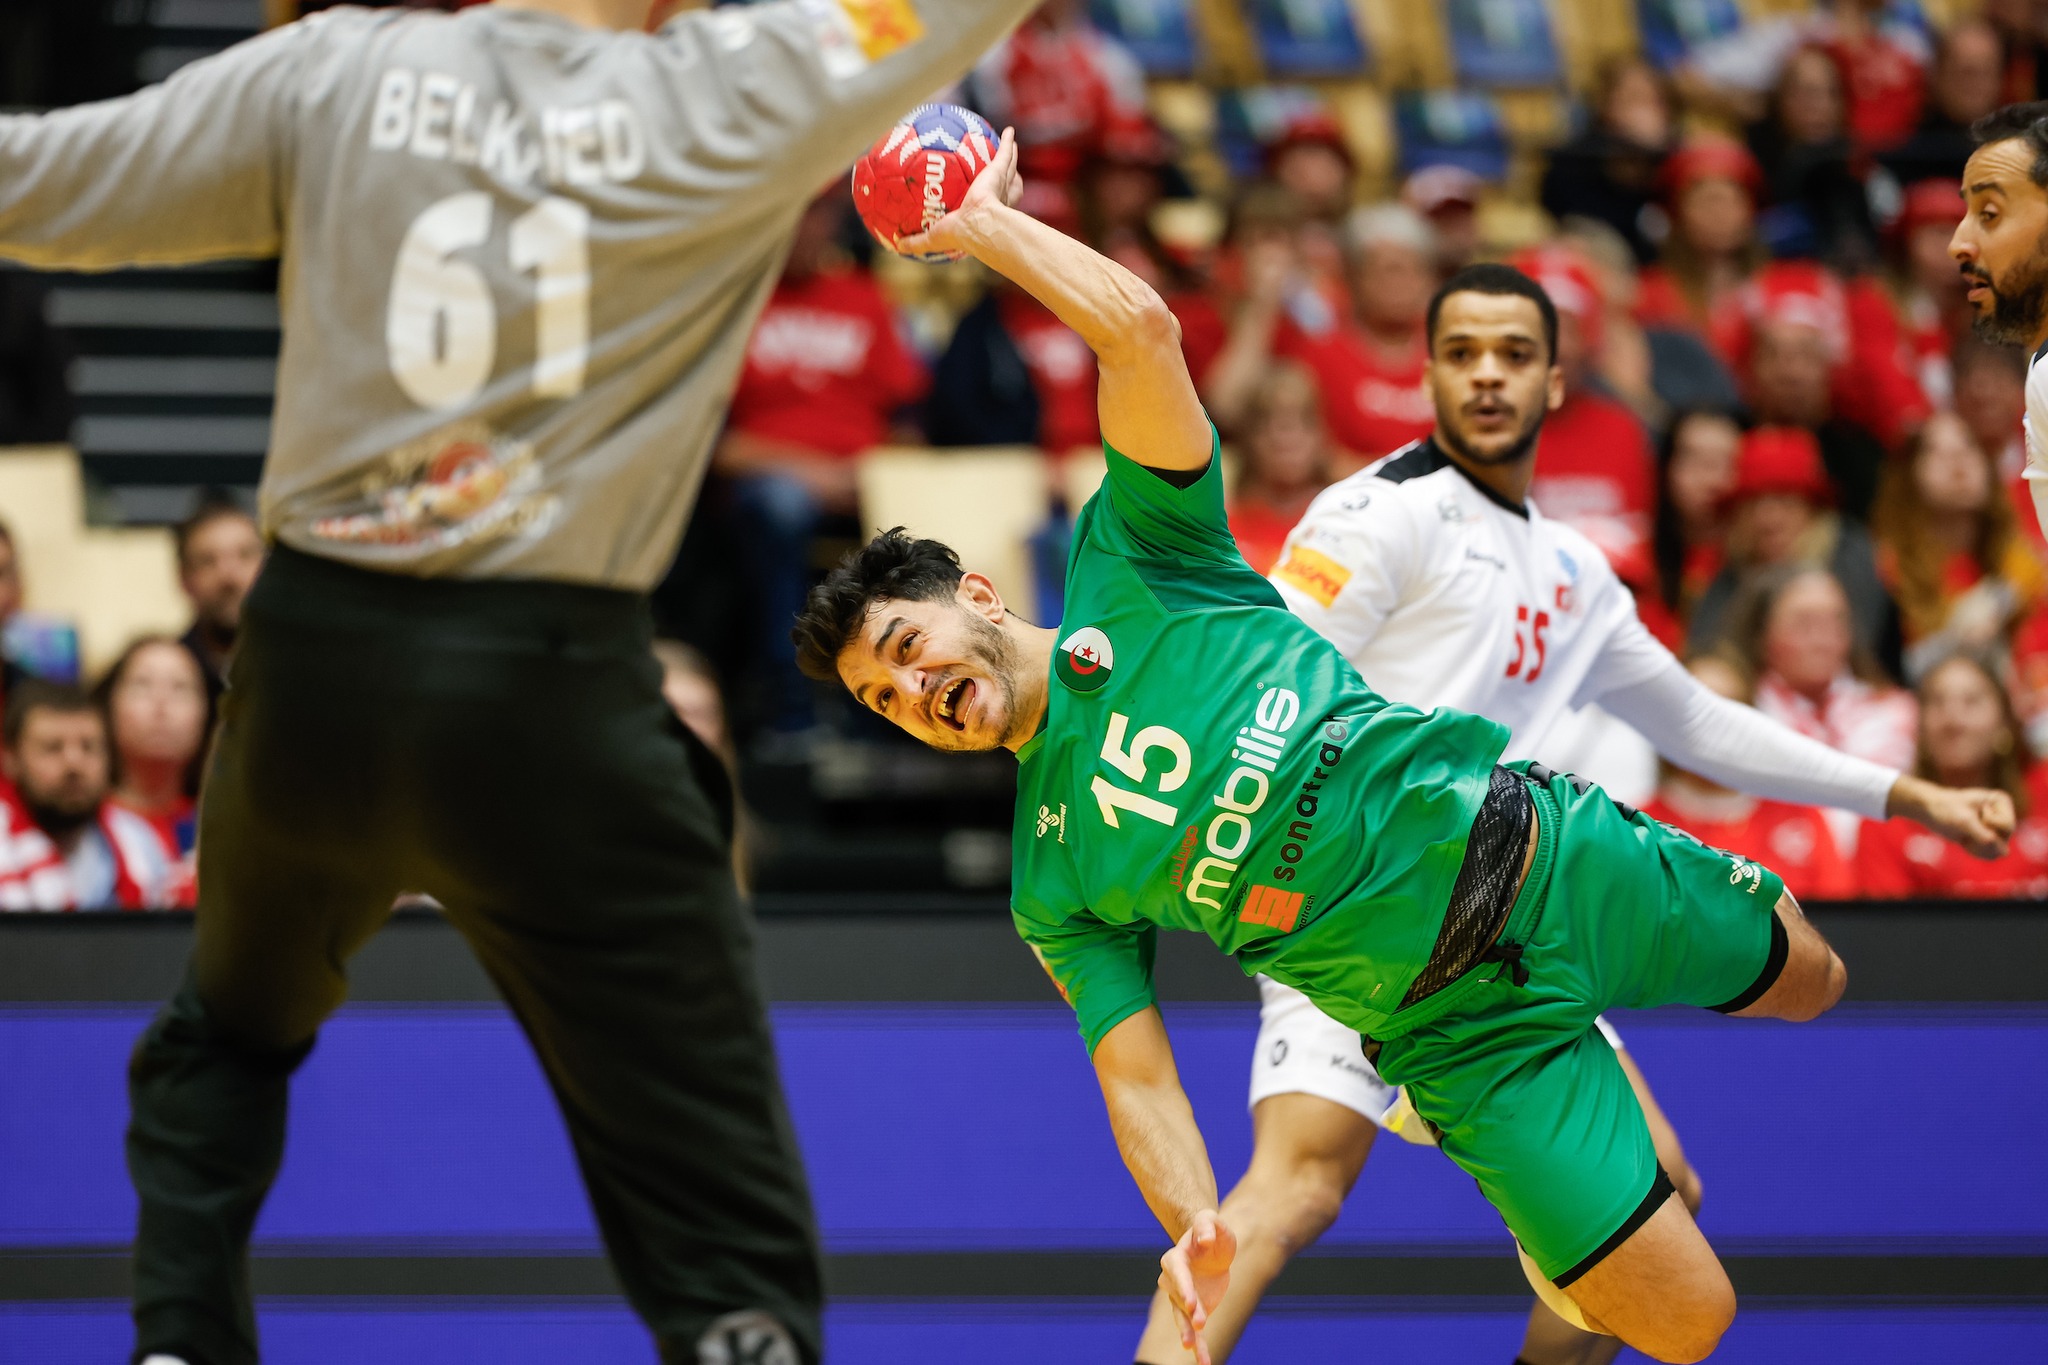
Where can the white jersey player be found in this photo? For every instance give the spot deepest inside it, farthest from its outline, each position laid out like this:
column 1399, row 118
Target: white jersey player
column 1445, row 586
column 2002, row 247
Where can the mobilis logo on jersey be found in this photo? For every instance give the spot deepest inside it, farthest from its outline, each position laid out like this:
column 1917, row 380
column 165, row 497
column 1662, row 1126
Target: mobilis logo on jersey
column 1261, row 745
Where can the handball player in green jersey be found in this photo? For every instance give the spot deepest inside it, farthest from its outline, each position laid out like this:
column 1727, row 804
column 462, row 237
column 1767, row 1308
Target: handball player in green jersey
column 1193, row 756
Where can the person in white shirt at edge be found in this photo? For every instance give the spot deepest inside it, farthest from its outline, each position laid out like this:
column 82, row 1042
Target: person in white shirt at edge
column 1446, row 587
column 2002, row 247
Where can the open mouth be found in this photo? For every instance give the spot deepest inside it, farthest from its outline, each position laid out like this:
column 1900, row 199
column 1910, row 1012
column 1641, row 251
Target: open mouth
column 952, row 703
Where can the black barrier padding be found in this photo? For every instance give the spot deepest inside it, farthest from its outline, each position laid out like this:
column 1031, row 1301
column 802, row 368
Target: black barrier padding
column 813, row 950
column 42, row 1274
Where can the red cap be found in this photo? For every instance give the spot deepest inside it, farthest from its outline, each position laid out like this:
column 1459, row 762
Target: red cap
column 1133, row 139
column 1930, row 201
column 1710, row 158
column 1571, row 284
column 1311, row 127
column 1780, row 460
column 1800, row 293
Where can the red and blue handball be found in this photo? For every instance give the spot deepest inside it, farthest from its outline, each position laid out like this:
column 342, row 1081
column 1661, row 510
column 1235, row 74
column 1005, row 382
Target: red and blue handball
column 920, row 171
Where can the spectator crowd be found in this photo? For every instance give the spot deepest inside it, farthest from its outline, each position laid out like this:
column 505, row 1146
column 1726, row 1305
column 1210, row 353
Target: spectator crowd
column 98, row 787
column 1777, row 425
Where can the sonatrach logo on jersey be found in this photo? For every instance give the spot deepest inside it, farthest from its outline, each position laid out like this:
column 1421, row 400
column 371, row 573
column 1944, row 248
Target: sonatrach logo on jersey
column 1085, row 659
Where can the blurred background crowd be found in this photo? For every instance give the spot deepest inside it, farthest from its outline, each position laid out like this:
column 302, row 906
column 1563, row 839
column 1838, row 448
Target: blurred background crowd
column 1777, row 425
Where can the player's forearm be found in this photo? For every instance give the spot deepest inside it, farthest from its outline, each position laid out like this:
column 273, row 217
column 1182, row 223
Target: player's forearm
column 1163, row 1149
column 1740, row 747
column 1113, row 310
column 1153, row 1122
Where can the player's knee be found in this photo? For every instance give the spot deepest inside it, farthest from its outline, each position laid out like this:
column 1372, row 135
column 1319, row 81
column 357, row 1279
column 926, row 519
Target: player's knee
column 1823, row 992
column 1315, row 1200
column 1698, row 1331
column 1689, row 1329
column 1290, row 1204
column 1837, row 983
column 263, row 1018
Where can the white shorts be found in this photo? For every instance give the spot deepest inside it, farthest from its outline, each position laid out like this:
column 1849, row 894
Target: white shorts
column 1302, row 1051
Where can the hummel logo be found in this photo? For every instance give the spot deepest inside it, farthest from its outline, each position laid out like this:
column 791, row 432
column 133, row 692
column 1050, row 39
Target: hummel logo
column 1047, row 820
column 749, row 1337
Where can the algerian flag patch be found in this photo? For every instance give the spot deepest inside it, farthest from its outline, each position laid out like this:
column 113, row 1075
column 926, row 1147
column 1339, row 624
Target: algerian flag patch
column 1084, row 660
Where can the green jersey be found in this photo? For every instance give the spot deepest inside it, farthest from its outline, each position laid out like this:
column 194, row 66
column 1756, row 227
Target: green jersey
column 1209, row 762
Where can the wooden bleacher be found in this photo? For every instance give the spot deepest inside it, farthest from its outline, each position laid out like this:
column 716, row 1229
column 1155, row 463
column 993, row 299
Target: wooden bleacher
column 113, row 583
column 986, row 503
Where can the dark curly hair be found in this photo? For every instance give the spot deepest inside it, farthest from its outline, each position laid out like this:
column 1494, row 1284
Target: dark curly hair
column 895, row 564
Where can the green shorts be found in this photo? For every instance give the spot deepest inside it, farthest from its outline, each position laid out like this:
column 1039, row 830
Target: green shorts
column 1526, row 1095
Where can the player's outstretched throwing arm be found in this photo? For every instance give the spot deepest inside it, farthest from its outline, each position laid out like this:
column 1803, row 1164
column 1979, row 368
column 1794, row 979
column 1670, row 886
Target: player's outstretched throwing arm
column 1150, row 411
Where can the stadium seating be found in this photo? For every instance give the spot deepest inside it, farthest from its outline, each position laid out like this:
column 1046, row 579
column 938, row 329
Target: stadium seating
column 1316, row 38
column 112, row 583
column 1671, row 28
column 985, row 503
column 1502, row 43
column 173, row 380
column 1453, row 127
column 1161, row 34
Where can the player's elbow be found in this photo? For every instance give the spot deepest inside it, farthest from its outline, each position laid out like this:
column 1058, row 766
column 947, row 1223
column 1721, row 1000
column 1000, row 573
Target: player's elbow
column 1153, row 324
column 1137, row 323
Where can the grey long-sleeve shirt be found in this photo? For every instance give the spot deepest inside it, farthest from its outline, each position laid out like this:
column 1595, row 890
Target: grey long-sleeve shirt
column 520, row 257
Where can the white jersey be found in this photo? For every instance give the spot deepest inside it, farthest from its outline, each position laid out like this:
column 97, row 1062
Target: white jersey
column 1443, row 593
column 2037, row 434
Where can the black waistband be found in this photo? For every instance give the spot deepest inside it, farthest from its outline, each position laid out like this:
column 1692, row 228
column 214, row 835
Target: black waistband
column 296, row 588
column 1488, row 881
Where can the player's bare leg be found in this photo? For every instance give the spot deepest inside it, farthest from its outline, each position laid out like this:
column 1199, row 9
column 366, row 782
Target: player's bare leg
column 1307, row 1155
column 1549, row 1339
column 1663, row 1291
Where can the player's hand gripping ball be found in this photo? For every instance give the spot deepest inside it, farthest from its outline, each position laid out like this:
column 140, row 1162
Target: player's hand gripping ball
column 920, row 171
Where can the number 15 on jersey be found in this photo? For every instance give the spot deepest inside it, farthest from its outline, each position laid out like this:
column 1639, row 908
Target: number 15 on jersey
column 1131, row 763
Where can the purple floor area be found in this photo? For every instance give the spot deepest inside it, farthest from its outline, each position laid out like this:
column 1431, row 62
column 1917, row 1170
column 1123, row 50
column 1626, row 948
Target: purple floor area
column 297, row 1333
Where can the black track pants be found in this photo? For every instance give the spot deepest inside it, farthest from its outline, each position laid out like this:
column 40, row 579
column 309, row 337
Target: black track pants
column 503, row 747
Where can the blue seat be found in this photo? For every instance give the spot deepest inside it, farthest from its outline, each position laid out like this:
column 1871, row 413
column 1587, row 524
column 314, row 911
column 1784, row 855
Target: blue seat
column 1249, row 119
column 1308, row 37
column 1672, row 28
column 1159, row 33
column 1452, row 127
column 1502, row 43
